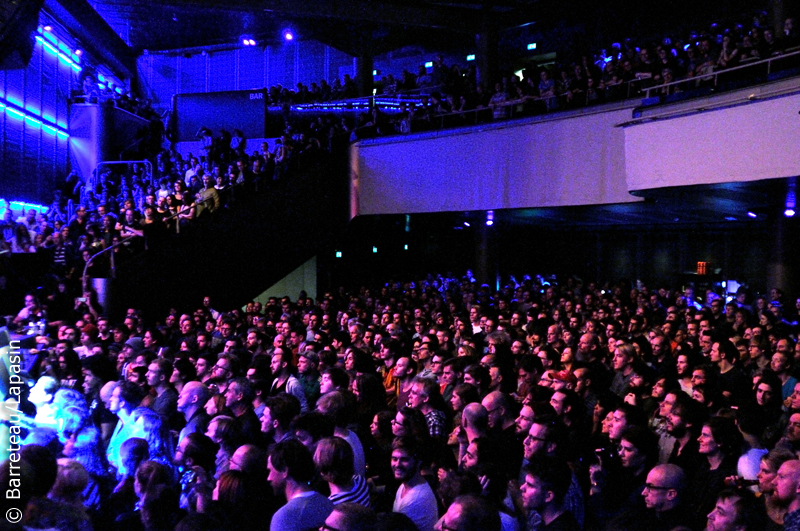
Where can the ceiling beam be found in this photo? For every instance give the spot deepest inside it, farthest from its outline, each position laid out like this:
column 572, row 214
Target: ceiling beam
column 94, row 34
column 462, row 20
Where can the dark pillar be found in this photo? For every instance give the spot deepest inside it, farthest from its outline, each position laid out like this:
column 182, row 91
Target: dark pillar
column 364, row 68
column 484, row 270
column 487, row 57
column 778, row 15
column 779, row 266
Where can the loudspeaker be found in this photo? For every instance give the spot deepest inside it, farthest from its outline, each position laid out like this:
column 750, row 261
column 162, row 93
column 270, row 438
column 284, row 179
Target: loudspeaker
column 18, row 22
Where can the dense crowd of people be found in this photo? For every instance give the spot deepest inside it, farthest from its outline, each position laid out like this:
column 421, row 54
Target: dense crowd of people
column 130, row 205
column 180, row 190
column 449, row 95
column 434, row 404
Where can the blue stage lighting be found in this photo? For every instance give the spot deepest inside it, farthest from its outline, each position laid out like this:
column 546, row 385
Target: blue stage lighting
column 31, row 117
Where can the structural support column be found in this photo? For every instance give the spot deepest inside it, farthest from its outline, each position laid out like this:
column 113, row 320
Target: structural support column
column 485, row 264
column 486, row 56
column 778, row 15
column 779, row 267
column 364, row 68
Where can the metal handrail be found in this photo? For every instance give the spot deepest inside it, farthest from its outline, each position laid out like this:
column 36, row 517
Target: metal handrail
column 126, row 148
column 715, row 75
column 511, row 104
column 109, row 248
column 128, row 239
column 177, row 214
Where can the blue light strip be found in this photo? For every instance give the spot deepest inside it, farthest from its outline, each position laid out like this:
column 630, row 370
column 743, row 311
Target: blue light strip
column 49, row 47
column 31, row 118
column 23, row 206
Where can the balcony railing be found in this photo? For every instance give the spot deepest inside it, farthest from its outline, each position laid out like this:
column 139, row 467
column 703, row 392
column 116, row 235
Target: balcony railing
column 413, row 112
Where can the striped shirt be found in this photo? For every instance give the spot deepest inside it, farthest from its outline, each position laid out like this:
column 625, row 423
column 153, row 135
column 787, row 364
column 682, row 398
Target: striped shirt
column 359, row 494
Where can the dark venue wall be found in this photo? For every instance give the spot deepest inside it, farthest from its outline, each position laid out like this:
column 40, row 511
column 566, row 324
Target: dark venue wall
column 33, row 157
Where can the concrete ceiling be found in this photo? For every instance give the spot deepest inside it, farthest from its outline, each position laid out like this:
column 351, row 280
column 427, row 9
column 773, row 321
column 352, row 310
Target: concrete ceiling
column 348, row 25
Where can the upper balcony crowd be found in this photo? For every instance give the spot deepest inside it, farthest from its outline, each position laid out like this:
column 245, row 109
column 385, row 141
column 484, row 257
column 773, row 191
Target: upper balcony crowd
column 432, row 404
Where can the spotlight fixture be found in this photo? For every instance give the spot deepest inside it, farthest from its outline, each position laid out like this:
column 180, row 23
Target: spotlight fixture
column 752, row 214
column 791, row 200
column 288, row 35
column 489, row 218
column 78, row 52
column 48, row 28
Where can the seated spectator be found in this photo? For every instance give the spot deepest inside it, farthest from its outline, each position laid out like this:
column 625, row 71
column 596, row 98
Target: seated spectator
column 123, row 499
column 546, row 484
column 338, row 407
column 414, row 498
column 334, row 461
column 291, row 469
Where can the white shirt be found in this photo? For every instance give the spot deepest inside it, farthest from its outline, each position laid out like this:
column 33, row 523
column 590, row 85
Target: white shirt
column 419, row 504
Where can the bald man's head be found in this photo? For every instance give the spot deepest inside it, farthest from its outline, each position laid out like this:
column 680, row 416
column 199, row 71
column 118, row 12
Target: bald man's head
column 494, row 399
column 248, row 457
column 787, row 482
column 475, row 416
column 107, row 390
column 663, row 487
column 193, row 396
column 497, row 409
column 470, row 513
column 674, row 476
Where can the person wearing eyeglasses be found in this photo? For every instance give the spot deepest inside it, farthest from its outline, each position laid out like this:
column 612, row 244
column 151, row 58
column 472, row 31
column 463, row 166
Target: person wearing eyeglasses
column 350, row 517
column 194, row 450
column 545, row 439
column 663, row 496
column 617, row 487
column 423, row 356
column 469, row 513
column 222, row 372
